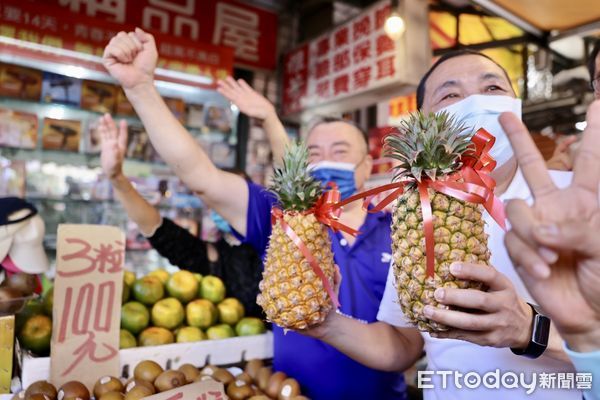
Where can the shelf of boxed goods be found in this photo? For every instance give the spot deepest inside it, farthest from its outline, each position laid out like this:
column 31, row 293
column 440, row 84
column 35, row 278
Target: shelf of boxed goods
column 170, row 356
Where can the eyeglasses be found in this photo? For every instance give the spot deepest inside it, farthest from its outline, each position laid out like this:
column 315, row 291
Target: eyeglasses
column 596, row 85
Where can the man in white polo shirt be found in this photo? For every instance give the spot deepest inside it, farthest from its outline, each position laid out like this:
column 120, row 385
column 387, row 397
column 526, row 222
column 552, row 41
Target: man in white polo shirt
column 504, row 350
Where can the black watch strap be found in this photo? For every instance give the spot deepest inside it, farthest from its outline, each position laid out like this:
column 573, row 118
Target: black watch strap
column 540, row 332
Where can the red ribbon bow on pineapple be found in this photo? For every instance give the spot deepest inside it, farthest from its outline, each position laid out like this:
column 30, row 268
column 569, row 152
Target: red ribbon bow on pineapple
column 327, row 213
column 471, row 183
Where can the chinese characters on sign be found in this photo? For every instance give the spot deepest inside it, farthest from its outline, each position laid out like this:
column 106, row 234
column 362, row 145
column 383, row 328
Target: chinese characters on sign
column 87, row 300
column 203, row 390
column 89, row 33
column 251, row 32
column 355, row 57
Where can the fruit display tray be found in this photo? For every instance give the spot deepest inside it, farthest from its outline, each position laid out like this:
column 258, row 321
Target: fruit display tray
column 170, row 356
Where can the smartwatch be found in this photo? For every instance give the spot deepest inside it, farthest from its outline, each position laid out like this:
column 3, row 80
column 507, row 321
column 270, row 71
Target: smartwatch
column 539, row 335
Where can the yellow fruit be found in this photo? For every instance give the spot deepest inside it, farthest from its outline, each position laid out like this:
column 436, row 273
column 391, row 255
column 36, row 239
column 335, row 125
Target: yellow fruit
column 431, row 145
column 183, row 286
column 212, row 288
column 161, row 274
column 230, row 311
column 189, row 334
column 155, row 336
column 201, row 313
column 129, row 277
column 126, row 340
column 148, row 290
column 168, row 313
column 36, row 333
column 134, row 317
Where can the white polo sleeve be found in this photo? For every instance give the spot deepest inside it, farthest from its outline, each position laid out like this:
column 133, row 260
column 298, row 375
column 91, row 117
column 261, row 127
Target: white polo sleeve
column 389, row 308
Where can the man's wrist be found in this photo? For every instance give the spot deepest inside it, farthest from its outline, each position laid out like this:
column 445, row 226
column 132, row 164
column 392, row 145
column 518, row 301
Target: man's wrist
column 525, row 334
column 140, row 90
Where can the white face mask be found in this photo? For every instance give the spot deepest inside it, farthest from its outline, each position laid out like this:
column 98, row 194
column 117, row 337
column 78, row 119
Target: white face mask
column 482, row 111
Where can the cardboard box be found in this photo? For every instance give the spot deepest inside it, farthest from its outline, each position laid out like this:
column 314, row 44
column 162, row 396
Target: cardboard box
column 18, row 129
column 61, row 134
column 217, row 352
column 20, row 82
column 99, row 97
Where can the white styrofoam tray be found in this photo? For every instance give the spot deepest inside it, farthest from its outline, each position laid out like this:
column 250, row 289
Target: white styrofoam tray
column 216, row 352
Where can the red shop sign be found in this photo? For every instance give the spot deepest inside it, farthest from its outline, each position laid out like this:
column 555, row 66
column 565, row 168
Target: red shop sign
column 250, row 31
column 38, row 23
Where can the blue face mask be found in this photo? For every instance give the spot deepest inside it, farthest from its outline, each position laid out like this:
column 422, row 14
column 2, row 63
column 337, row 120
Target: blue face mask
column 339, row 172
column 220, row 222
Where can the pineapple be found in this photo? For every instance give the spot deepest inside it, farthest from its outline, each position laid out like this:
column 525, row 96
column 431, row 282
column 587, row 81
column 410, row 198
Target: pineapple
column 430, row 147
column 291, row 294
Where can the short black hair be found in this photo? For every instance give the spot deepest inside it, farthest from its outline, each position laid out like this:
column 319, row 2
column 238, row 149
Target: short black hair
column 592, row 60
column 443, row 59
column 327, row 119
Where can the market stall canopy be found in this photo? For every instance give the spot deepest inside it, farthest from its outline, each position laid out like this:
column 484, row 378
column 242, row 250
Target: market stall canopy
column 548, row 15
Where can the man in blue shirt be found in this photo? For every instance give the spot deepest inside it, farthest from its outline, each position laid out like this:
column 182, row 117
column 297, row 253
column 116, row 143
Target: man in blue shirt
column 338, row 151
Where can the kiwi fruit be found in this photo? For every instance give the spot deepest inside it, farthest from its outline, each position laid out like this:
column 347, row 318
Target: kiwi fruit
column 259, row 397
column 169, row 380
column 107, row 384
column 133, row 383
column 73, row 390
column 111, row 396
column 262, row 378
column 147, row 371
column 24, row 283
column 190, row 372
column 138, row 392
column 43, row 387
column 289, row 389
column 39, row 396
column 8, row 302
column 252, row 368
column 300, row 398
column 239, row 390
column 274, row 384
column 209, row 370
column 244, row 376
column 223, row 376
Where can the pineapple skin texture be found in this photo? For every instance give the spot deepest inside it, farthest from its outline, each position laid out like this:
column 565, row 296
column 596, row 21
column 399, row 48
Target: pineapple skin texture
column 459, row 236
column 291, row 293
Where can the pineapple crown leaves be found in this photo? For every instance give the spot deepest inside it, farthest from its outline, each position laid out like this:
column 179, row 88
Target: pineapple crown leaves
column 428, row 145
column 294, row 186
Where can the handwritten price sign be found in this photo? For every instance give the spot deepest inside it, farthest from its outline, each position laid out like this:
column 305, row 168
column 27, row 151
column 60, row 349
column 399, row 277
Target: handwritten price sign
column 203, row 390
column 87, row 303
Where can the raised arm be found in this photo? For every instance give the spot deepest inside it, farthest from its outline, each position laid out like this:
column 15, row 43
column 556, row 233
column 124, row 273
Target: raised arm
column 255, row 105
column 377, row 345
column 114, row 146
column 131, row 59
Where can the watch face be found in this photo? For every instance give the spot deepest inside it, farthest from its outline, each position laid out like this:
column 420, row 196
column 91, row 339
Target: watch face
column 541, row 330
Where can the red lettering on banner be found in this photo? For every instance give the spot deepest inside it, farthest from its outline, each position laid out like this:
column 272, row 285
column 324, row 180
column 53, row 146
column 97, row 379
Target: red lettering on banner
column 341, row 60
column 384, row 44
column 88, row 349
column 382, row 15
column 385, row 67
column 340, row 85
column 323, row 47
column 238, row 28
column 323, row 89
column 362, row 76
column 361, row 28
column 105, row 256
column 362, row 51
column 341, row 37
column 322, row 69
column 157, row 16
column 113, row 8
